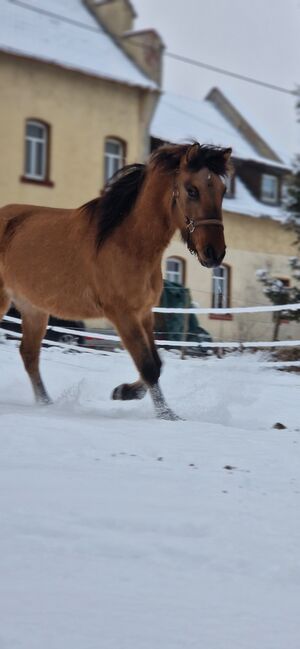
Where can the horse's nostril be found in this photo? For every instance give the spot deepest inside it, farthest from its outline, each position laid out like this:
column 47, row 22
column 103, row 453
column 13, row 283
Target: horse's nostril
column 210, row 253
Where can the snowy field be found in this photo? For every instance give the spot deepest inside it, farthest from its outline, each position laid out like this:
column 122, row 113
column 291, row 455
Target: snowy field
column 119, row 531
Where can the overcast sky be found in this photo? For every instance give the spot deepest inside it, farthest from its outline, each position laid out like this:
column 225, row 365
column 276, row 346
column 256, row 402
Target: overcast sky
column 260, row 38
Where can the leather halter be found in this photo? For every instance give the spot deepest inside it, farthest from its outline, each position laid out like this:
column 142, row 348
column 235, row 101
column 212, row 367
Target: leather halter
column 191, row 224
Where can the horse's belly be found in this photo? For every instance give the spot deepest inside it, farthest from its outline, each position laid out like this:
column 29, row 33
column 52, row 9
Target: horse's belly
column 57, row 289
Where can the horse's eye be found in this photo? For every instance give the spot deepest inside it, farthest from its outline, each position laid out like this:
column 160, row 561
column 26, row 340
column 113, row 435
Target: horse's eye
column 192, row 192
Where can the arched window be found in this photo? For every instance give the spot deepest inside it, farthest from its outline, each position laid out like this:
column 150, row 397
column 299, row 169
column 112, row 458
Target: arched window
column 114, row 157
column 220, row 287
column 36, row 150
column 175, row 268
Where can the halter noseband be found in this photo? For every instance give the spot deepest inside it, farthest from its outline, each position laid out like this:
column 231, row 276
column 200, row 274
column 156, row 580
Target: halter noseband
column 191, row 224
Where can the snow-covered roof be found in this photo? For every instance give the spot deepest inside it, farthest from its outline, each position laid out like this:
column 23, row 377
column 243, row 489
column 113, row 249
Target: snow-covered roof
column 178, row 119
column 75, row 41
column 244, row 202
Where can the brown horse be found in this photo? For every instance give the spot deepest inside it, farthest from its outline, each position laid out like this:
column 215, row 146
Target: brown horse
column 104, row 258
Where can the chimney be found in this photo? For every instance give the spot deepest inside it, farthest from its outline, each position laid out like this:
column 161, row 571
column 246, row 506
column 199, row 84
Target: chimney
column 115, row 15
column 145, row 47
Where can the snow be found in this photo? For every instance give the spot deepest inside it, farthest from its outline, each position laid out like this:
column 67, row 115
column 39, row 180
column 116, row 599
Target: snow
column 124, row 532
column 80, row 44
column 178, row 119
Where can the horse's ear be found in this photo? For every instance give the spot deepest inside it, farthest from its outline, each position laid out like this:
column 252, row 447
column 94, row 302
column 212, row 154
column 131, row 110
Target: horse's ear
column 228, row 164
column 227, row 153
column 192, row 153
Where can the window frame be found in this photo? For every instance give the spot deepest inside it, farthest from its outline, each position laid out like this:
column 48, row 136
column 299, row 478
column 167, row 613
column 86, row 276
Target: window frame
column 179, row 260
column 27, row 176
column 122, row 157
column 221, row 316
column 267, row 199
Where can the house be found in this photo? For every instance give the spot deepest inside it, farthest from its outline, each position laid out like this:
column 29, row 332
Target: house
column 253, row 216
column 77, row 97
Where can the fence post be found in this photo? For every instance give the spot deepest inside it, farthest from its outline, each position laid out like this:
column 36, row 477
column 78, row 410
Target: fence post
column 186, row 319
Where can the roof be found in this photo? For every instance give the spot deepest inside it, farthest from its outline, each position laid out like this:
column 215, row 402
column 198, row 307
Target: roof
column 65, row 32
column 178, row 119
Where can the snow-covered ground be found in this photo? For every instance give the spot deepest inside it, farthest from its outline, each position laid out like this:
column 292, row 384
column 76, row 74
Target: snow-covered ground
column 119, row 531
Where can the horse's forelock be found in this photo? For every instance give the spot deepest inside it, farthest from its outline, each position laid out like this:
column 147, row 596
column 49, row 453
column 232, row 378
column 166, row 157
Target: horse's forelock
column 215, row 158
column 194, row 155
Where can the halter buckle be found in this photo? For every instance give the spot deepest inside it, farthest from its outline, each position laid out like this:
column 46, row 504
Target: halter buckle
column 190, row 225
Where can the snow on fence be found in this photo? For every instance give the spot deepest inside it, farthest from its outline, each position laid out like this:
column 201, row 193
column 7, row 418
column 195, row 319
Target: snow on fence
column 181, row 343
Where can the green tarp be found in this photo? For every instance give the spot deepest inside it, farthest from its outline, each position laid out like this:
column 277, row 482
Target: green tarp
column 173, row 326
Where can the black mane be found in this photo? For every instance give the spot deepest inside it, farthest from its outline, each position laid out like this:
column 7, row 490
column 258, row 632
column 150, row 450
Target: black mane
column 197, row 156
column 117, row 199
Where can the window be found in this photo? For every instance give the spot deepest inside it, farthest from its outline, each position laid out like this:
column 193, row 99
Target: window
column 113, row 157
column 175, row 270
column 36, row 144
column 220, row 287
column 269, row 188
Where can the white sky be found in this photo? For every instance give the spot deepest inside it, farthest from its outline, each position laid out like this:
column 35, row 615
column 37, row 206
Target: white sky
column 260, row 38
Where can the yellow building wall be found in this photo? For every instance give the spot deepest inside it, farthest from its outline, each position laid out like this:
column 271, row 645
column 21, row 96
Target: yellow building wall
column 252, row 243
column 82, row 111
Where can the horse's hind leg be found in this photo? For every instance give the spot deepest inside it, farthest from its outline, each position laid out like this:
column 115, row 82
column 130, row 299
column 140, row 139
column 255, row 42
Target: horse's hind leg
column 34, row 324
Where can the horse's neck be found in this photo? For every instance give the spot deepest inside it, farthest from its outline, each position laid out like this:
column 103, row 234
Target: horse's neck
column 152, row 222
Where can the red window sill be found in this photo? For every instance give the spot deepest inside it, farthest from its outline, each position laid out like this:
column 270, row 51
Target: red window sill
column 34, row 181
column 220, row 316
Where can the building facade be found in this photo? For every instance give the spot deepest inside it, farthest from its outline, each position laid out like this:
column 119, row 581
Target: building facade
column 76, row 104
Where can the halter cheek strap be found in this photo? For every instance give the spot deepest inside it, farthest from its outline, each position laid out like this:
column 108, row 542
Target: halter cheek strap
column 191, row 224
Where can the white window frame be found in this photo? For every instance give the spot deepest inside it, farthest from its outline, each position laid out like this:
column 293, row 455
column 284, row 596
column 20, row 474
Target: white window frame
column 220, row 287
column 112, row 161
column 265, row 196
column 32, row 142
column 176, row 276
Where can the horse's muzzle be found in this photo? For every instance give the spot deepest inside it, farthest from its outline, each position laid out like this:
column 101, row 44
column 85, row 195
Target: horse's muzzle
column 209, row 257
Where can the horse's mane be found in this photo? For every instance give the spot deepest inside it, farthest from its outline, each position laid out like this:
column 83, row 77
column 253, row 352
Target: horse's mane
column 120, row 193
column 117, row 199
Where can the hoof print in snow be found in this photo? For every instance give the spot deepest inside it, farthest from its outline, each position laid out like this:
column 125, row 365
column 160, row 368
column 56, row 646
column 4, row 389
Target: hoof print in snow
column 279, row 426
column 193, row 466
column 160, row 459
column 228, row 467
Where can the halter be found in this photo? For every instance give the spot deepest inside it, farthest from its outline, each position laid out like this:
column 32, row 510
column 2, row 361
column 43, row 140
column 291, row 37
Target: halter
column 191, row 224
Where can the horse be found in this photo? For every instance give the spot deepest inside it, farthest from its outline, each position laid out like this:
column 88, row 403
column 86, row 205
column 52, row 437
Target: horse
column 104, row 258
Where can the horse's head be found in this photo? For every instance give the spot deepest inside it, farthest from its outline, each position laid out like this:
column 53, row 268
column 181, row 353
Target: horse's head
column 197, row 201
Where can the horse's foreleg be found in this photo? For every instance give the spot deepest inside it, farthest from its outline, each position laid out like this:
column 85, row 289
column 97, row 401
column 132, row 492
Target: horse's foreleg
column 136, row 341
column 138, row 389
column 34, row 324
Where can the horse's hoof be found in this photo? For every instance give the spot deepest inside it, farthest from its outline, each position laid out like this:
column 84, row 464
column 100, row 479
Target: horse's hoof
column 44, row 401
column 127, row 392
column 168, row 415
